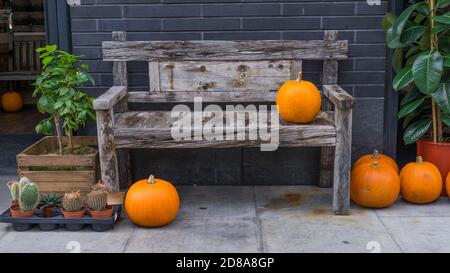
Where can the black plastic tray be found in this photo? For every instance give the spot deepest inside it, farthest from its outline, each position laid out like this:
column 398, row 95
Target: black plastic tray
column 58, row 221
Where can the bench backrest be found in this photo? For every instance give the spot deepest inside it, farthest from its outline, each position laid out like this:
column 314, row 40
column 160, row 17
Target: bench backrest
column 223, row 65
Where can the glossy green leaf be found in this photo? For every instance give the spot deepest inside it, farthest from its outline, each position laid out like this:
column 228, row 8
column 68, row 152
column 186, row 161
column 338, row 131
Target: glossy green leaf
column 412, row 51
column 397, row 59
column 394, row 33
column 410, row 107
column 388, row 20
column 410, row 96
column 416, row 130
column 403, row 78
column 445, row 119
column 427, row 71
column 446, row 61
column 442, row 4
column 412, row 33
column 442, row 97
column 443, row 19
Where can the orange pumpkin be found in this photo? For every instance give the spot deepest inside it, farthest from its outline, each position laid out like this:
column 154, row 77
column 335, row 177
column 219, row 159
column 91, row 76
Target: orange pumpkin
column 374, row 185
column 12, row 101
column 298, row 101
column 377, row 157
column 421, row 182
column 152, row 202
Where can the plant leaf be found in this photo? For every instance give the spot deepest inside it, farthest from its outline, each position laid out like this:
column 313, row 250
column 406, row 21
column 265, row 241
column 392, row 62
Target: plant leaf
column 446, row 61
column 412, row 51
column 442, row 4
column 396, row 30
column 412, row 33
column 416, row 130
column 427, row 71
column 442, row 97
column 445, row 119
column 397, row 59
column 410, row 107
column 410, row 96
column 443, row 19
column 388, row 20
column 403, row 78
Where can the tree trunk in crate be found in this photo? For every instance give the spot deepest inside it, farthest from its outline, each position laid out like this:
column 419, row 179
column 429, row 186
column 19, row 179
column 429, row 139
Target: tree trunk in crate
column 59, row 174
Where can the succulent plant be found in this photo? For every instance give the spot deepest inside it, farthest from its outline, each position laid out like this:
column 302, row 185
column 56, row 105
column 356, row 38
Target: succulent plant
column 97, row 200
column 50, row 200
column 29, row 197
column 72, row 202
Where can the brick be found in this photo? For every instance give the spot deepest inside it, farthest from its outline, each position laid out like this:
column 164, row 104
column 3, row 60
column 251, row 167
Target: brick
column 200, row 24
column 281, row 23
column 162, row 11
column 321, row 9
column 245, row 10
column 96, row 12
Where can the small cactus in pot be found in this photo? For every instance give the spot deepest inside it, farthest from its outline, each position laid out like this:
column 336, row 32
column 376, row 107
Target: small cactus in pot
column 25, row 195
column 73, row 205
column 97, row 201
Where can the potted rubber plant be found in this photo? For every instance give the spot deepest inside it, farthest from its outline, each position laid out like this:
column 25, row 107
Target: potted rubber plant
column 420, row 38
column 55, row 163
column 49, row 203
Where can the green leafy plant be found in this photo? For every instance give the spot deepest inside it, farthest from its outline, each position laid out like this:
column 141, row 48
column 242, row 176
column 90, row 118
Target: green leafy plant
column 420, row 37
column 57, row 88
column 50, row 200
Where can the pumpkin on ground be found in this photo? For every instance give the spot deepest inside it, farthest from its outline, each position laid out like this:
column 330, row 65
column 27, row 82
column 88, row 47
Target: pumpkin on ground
column 374, row 185
column 152, row 202
column 298, row 101
column 421, row 182
column 377, row 157
column 12, row 101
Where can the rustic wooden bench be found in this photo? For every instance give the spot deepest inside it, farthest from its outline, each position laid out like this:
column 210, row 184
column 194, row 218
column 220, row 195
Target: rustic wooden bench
column 227, row 72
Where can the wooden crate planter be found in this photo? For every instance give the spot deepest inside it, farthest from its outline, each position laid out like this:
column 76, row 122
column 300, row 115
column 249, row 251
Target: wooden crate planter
column 67, row 172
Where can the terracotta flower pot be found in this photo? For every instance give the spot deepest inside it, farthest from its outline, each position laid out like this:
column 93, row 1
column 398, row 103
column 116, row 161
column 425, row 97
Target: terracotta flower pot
column 17, row 213
column 106, row 213
column 438, row 154
column 76, row 214
column 48, row 211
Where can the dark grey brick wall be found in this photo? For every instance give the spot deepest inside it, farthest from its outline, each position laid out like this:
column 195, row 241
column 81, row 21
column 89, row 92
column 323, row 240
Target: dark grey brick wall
column 363, row 74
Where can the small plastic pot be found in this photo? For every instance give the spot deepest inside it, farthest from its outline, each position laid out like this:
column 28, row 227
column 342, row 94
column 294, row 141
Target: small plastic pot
column 48, row 212
column 73, row 215
column 106, row 213
column 17, row 213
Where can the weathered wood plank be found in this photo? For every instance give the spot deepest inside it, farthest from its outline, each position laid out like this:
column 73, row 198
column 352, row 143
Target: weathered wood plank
column 56, row 176
column 153, row 130
column 107, row 149
column 163, row 97
column 224, row 50
column 297, row 67
column 108, row 99
column 342, row 161
column 55, row 160
column 329, row 76
column 221, row 76
column 120, row 78
column 51, row 186
column 154, row 76
column 338, row 96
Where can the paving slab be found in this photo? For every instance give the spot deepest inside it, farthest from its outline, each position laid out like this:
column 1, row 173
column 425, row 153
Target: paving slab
column 403, row 208
column 61, row 241
column 300, row 219
column 420, row 234
column 216, row 201
column 198, row 235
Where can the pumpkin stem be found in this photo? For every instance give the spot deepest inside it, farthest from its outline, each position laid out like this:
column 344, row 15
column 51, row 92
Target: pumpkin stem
column 299, row 76
column 376, row 154
column 419, row 159
column 375, row 165
column 151, row 179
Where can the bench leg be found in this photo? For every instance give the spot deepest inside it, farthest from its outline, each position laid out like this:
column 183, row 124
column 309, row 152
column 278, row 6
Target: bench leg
column 342, row 162
column 107, row 151
column 326, row 167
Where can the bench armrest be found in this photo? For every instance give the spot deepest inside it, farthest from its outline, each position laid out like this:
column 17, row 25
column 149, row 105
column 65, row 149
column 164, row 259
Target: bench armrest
column 110, row 98
column 338, row 96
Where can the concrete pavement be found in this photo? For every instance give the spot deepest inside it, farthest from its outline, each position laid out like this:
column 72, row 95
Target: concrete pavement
column 254, row 219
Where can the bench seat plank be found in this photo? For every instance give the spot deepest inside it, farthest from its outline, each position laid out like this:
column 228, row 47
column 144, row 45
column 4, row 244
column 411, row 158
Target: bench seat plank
column 153, row 130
